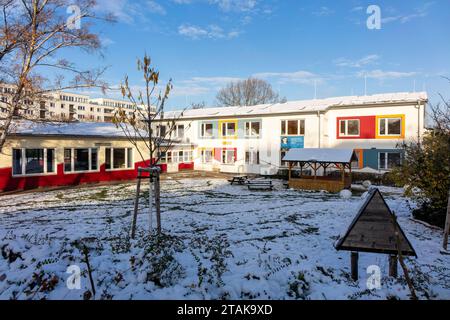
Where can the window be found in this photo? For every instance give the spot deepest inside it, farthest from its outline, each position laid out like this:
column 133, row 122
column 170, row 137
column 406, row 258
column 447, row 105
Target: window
column 187, row 156
column 252, row 157
column 207, row 130
column 252, row 129
column 228, row 129
column 80, row 160
column 390, row 126
column 118, row 158
column 179, row 131
column 349, row 128
column 228, row 157
column 207, row 156
column 17, row 161
column 162, row 131
column 389, row 160
column 33, row 161
column 293, row 127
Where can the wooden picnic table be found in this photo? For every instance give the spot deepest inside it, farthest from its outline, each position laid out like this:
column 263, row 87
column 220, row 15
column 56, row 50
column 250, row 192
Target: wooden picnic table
column 260, row 185
column 241, row 180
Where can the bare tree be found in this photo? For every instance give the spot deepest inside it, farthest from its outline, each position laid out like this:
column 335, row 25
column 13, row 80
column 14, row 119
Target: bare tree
column 248, row 92
column 145, row 126
column 440, row 115
column 32, row 33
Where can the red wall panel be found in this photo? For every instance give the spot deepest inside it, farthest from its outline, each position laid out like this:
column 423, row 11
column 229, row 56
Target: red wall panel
column 186, row 166
column 10, row 183
column 367, row 127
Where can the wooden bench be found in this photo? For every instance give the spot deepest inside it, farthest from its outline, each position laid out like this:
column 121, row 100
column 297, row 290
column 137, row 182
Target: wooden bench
column 241, row 180
column 260, row 185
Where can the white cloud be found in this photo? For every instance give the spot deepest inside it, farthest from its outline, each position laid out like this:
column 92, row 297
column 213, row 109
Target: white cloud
column 123, row 10
column 303, row 77
column 235, row 5
column 367, row 60
column 323, row 12
column 155, row 7
column 420, row 12
column 197, row 86
column 356, row 9
column 210, row 32
column 385, row 75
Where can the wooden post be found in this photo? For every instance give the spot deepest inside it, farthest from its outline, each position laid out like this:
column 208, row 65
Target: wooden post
column 393, row 266
column 315, row 170
column 136, row 207
column 354, row 265
column 447, row 224
column 290, row 171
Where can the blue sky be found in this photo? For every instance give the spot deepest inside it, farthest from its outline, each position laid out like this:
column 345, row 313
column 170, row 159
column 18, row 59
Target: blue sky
column 295, row 45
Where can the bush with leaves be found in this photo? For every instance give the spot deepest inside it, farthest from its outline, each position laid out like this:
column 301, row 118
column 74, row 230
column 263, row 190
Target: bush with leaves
column 426, row 169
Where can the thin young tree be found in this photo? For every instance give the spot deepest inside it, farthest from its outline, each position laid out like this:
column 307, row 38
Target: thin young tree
column 145, row 126
column 247, row 92
column 32, row 35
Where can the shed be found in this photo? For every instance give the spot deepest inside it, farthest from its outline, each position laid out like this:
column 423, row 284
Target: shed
column 321, row 160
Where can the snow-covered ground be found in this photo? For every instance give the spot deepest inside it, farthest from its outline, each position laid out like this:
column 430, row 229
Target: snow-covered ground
column 220, row 242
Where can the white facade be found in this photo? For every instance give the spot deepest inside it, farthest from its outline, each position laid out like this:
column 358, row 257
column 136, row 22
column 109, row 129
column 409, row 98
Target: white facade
column 373, row 126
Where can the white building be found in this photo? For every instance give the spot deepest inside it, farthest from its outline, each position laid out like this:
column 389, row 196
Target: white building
column 65, row 106
column 254, row 139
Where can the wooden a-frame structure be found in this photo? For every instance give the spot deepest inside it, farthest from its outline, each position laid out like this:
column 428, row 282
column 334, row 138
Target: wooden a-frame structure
column 375, row 229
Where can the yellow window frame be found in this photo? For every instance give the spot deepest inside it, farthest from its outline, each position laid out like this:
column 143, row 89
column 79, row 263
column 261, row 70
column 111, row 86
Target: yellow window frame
column 392, row 116
column 222, row 122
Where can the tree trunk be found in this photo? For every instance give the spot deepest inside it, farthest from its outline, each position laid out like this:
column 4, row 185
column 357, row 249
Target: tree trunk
column 158, row 203
column 447, row 224
column 150, row 202
column 4, row 133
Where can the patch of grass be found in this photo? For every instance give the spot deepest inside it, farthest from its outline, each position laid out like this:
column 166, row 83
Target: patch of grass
column 99, row 196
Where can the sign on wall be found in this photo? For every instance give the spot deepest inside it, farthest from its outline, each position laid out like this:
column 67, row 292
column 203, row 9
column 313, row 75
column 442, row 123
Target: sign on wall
column 292, row 142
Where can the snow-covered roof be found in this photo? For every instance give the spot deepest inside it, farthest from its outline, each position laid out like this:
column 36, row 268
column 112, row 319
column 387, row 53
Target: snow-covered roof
column 302, row 106
column 320, row 155
column 82, row 129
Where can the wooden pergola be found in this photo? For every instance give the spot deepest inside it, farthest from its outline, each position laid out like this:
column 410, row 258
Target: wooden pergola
column 321, row 160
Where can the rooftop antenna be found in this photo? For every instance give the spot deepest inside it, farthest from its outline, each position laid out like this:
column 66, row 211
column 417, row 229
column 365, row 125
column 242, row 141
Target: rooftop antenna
column 414, row 86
